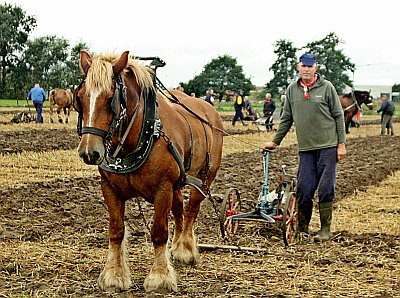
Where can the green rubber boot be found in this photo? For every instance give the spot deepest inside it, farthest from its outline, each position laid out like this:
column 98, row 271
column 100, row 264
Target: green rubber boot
column 303, row 218
column 325, row 215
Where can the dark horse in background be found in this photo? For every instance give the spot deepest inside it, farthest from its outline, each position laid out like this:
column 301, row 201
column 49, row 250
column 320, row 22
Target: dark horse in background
column 62, row 99
column 351, row 104
column 147, row 144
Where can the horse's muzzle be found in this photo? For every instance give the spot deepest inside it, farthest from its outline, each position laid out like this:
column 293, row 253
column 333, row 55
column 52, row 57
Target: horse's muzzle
column 91, row 158
column 370, row 105
column 91, row 150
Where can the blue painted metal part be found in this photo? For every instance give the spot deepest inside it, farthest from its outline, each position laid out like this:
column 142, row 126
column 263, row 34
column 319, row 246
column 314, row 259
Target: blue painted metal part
column 264, row 209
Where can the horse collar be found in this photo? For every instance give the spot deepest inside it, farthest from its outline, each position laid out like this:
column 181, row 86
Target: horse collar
column 150, row 130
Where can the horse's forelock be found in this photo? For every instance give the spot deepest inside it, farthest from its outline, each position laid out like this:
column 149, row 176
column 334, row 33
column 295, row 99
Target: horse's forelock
column 99, row 76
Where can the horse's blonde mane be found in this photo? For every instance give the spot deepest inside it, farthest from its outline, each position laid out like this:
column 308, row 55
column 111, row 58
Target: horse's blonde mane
column 100, row 73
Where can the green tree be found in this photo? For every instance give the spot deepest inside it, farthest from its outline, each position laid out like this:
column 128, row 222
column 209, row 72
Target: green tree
column 223, row 75
column 333, row 63
column 284, row 67
column 15, row 26
column 46, row 60
column 73, row 73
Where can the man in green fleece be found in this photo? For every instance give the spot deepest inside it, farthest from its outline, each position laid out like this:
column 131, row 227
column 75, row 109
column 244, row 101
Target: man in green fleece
column 313, row 105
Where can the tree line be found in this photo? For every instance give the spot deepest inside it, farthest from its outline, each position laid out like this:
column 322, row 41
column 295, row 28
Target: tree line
column 52, row 62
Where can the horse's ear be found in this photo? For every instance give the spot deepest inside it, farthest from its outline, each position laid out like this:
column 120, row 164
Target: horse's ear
column 121, row 63
column 85, row 61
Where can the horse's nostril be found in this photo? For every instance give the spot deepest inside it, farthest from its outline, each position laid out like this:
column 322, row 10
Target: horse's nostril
column 94, row 156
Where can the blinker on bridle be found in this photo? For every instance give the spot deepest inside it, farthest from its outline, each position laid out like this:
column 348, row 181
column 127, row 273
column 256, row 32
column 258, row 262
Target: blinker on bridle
column 118, row 101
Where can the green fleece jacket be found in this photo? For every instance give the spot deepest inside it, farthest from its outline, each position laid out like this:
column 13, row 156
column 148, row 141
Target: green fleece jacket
column 319, row 120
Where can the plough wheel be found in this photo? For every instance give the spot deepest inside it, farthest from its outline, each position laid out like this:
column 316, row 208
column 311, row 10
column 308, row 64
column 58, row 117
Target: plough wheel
column 289, row 220
column 231, row 205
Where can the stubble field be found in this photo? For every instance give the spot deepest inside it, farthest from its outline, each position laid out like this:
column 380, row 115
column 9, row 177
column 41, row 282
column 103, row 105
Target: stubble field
column 53, row 232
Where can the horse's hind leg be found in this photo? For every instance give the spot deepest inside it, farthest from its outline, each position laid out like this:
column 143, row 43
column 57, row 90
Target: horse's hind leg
column 60, row 119
column 115, row 275
column 162, row 276
column 51, row 110
column 185, row 248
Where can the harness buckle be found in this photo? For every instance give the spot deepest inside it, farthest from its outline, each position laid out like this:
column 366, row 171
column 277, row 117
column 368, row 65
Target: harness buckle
column 157, row 128
column 117, row 166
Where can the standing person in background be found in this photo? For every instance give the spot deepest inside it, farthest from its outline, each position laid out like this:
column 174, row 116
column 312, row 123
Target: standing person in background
column 239, row 105
column 313, row 105
column 268, row 110
column 38, row 96
column 387, row 109
column 283, row 99
column 210, row 97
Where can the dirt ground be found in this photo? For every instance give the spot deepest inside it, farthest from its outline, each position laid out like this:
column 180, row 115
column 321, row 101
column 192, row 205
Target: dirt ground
column 53, row 234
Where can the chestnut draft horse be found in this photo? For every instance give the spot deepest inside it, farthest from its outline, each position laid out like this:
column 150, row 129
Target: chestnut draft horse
column 147, row 145
column 62, row 98
column 351, row 104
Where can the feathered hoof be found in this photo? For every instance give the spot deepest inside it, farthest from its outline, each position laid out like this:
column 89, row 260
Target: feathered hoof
column 110, row 282
column 183, row 254
column 157, row 283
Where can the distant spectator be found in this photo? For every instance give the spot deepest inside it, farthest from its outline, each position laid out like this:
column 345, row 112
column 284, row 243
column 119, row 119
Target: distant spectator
column 38, row 96
column 210, row 97
column 268, row 110
column 283, row 99
column 239, row 105
column 250, row 112
column 387, row 109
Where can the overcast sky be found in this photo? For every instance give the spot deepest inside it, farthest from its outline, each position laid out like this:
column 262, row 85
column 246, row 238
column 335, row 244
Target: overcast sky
column 189, row 34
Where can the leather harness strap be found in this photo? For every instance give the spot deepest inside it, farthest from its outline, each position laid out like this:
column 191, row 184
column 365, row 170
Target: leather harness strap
column 355, row 103
column 189, row 159
column 151, row 130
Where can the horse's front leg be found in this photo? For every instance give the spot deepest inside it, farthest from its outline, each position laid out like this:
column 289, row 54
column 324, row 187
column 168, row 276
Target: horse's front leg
column 116, row 274
column 67, row 113
column 185, row 248
column 347, row 125
column 162, row 276
column 177, row 211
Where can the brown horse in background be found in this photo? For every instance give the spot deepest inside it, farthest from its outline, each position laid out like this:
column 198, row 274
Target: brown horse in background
column 351, row 104
column 146, row 145
column 62, row 98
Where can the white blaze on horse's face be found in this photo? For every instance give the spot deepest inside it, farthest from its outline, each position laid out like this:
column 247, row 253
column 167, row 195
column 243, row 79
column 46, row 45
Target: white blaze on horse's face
column 91, row 147
column 92, row 106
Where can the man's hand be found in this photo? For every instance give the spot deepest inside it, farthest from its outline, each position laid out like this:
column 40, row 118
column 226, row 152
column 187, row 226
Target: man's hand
column 270, row 145
column 341, row 152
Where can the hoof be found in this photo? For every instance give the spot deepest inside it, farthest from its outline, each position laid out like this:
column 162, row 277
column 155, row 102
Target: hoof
column 185, row 253
column 157, row 283
column 109, row 282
